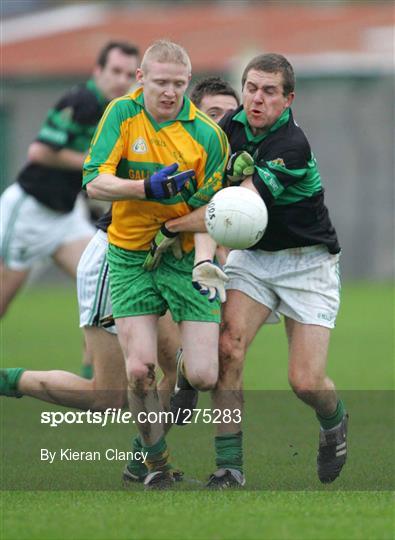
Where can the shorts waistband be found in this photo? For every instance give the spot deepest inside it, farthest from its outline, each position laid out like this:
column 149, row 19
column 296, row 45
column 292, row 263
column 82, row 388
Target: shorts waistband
column 297, row 251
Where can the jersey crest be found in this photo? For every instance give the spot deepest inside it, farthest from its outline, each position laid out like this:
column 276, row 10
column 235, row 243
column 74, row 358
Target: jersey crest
column 140, row 146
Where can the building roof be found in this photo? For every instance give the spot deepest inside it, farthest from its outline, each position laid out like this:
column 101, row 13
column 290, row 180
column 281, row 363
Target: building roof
column 65, row 41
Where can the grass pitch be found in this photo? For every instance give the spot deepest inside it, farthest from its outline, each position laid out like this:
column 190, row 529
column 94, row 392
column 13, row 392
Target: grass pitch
column 41, row 332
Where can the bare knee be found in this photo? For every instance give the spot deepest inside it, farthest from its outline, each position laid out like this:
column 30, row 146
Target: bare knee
column 203, row 380
column 137, row 371
column 305, row 384
column 141, row 377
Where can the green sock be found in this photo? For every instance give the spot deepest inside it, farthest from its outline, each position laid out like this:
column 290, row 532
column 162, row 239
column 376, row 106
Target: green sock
column 158, row 456
column 9, row 379
column 137, row 467
column 87, row 371
column 329, row 422
column 229, row 451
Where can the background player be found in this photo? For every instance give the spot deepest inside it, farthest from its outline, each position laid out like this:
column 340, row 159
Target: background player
column 39, row 214
column 215, row 97
column 39, row 217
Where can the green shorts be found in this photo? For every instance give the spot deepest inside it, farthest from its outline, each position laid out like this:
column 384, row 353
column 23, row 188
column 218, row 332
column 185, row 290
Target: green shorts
column 135, row 291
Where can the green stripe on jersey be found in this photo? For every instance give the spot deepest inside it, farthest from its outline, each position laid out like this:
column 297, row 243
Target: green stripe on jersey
column 271, row 181
column 305, row 188
column 60, row 129
column 307, row 182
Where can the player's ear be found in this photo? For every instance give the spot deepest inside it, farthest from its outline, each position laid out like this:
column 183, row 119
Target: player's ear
column 289, row 99
column 139, row 76
column 97, row 71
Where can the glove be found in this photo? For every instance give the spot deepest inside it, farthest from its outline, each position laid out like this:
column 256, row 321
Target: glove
column 163, row 240
column 239, row 166
column 164, row 185
column 208, row 278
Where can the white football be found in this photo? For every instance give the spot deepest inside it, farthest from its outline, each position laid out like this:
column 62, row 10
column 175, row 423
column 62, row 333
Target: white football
column 236, row 217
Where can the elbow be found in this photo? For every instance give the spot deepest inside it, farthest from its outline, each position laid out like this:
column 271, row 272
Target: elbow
column 92, row 190
column 35, row 152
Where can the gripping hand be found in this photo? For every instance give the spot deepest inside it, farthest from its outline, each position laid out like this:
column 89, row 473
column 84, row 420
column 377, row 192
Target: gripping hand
column 164, row 184
column 163, row 241
column 239, row 166
column 208, row 278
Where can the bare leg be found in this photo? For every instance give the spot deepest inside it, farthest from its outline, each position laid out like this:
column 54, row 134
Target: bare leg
column 138, row 339
column 242, row 319
column 200, row 353
column 168, row 343
column 308, row 350
column 106, row 389
column 67, row 257
column 10, row 283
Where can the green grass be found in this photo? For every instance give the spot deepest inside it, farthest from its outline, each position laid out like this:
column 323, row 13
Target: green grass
column 41, row 332
column 211, row 516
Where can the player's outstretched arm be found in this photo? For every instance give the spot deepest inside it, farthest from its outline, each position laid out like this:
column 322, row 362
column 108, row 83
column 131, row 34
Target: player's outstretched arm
column 107, row 187
column 64, row 158
column 193, row 222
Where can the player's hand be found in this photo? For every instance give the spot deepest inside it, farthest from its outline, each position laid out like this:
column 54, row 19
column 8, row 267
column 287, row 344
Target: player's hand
column 239, row 166
column 208, row 278
column 163, row 241
column 164, row 184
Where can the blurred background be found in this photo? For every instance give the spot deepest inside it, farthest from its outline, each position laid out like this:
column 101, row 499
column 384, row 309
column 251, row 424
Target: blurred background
column 342, row 52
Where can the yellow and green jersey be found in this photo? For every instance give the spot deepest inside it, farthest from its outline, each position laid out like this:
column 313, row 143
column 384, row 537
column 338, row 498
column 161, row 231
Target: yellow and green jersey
column 130, row 144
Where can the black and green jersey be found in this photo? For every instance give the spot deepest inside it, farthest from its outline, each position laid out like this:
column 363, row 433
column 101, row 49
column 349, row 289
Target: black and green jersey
column 288, row 180
column 70, row 124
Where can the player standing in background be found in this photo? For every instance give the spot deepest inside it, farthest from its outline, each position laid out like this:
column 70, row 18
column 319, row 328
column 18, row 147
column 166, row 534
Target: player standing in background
column 39, row 214
column 292, row 270
column 140, row 135
column 39, row 217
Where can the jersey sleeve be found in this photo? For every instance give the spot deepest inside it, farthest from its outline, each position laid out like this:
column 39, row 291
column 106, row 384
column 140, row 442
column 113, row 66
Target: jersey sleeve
column 64, row 122
column 107, row 145
column 211, row 178
column 289, row 166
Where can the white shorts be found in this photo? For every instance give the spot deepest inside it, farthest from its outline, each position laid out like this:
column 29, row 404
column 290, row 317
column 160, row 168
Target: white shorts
column 93, row 285
column 300, row 283
column 30, row 231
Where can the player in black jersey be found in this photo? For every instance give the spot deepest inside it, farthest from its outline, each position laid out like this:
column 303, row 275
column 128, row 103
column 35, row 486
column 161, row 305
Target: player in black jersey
column 40, row 217
column 292, row 270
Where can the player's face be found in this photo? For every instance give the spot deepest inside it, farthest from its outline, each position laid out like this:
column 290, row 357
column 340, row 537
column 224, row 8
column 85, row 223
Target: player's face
column 118, row 75
column 164, row 87
column 263, row 99
column 217, row 106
